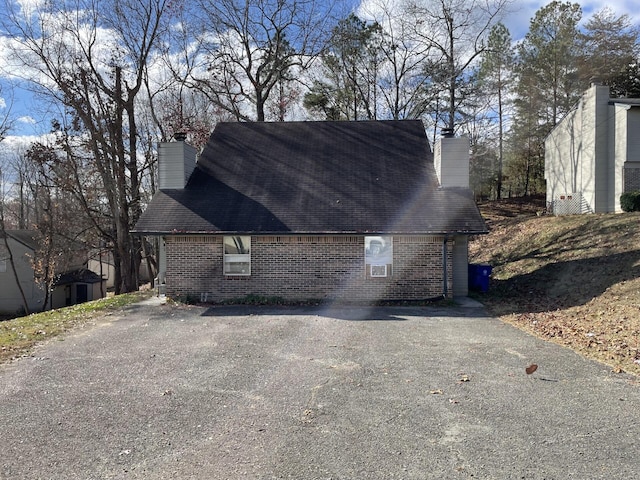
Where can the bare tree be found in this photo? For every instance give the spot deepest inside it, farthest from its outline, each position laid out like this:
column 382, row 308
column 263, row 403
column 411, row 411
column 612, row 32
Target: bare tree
column 58, row 217
column 402, row 80
column 5, row 126
column 250, row 46
column 454, row 31
column 496, row 77
column 6, row 122
column 91, row 57
column 5, row 248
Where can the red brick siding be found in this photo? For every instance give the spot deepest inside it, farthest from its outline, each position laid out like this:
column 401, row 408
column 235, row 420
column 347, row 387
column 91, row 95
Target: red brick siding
column 307, row 267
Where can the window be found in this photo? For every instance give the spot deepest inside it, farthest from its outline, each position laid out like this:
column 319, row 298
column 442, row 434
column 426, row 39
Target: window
column 3, row 266
column 378, row 256
column 237, row 255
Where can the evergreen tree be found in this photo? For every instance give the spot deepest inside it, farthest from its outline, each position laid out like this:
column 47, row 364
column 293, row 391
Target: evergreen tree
column 609, row 46
column 627, row 83
column 496, row 77
column 547, row 88
column 455, row 31
column 348, row 90
column 548, row 59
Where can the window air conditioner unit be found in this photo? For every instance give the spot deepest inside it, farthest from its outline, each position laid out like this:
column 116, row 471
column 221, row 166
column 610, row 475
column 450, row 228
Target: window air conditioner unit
column 378, row 270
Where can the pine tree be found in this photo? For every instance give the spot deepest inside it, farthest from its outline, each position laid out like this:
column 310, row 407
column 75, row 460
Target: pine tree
column 351, row 65
column 548, row 87
column 609, row 47
column 496, row 78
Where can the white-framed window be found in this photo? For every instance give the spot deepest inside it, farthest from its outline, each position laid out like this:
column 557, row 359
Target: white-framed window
column 378, row 255
column 237, row 255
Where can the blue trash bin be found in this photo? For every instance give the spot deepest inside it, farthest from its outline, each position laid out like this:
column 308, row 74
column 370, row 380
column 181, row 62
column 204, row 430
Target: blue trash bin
column 479, row 276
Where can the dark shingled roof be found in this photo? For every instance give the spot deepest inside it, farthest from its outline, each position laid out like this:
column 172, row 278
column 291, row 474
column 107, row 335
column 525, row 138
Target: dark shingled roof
column 29, row 238
column 81, row 275
column 314, row 177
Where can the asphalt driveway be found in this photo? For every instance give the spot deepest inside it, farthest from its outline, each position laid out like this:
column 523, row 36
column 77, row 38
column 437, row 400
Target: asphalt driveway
column 161, row 392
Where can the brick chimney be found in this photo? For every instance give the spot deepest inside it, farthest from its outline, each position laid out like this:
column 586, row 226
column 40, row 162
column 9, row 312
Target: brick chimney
column 176, row 161
column 451, row 160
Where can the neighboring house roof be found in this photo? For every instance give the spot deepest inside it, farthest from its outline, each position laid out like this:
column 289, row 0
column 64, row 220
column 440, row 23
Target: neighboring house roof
column 314, row 177
column 633, row 102
column 81, row 275
column 29, row 238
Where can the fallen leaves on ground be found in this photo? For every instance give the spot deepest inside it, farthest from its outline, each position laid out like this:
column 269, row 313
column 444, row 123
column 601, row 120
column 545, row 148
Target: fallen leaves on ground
column 574, row 280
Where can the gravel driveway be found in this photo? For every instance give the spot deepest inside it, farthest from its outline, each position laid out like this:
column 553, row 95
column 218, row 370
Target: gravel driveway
column 163, row 392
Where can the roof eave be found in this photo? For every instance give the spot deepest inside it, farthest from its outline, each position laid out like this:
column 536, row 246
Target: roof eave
column 145, row 233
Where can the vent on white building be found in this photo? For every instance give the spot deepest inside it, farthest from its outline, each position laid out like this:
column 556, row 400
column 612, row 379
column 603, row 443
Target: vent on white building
column 378, row 270
column 568, row 204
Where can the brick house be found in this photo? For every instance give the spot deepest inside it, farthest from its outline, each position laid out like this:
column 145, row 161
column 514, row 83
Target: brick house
column 356, row 211
column 592, row 156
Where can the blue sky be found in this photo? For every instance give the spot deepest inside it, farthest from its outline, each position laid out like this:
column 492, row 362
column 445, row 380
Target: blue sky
column 31, row 119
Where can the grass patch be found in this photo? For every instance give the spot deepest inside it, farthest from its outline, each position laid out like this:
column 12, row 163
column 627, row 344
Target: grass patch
column 18, row 336
column 257, row 300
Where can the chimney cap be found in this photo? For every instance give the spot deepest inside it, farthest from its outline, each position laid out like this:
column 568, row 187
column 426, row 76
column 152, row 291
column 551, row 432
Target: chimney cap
column 447, row 132
column 180, row 136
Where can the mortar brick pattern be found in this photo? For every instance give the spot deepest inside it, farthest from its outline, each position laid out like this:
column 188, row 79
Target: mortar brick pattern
column 307, row 267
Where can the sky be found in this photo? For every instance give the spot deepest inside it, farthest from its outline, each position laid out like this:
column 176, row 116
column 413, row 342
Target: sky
column 29, row 121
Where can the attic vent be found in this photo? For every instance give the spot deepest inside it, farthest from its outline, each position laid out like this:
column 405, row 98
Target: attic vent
column 378, row 270
column 569, row 204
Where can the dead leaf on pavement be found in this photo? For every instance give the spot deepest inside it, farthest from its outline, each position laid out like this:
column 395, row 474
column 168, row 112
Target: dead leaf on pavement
column 531, row 368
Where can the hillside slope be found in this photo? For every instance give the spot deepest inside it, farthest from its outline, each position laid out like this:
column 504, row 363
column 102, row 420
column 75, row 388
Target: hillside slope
column 574, row 279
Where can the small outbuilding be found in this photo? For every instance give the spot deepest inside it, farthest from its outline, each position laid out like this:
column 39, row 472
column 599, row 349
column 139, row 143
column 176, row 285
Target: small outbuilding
column 22, row 292
column 349, row 211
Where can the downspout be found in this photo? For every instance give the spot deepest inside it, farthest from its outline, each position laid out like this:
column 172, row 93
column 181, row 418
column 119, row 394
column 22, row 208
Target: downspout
column 445, row 272
column 162, row 267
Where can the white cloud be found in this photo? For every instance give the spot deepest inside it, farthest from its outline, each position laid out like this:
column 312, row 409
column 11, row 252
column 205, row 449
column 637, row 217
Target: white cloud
column 15, row 145
column 28, row 120
column 30, row 7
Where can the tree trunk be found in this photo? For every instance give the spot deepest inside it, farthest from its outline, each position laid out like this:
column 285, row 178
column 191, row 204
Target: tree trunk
column 452, row 73
column 500, row 145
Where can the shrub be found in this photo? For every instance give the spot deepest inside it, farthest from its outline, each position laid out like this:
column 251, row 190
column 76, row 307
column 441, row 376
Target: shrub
column 630, row 201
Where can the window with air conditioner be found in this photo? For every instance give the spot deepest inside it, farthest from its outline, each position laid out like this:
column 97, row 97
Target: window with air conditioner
column 237, row 255
column 378, row 255
column 378, row 270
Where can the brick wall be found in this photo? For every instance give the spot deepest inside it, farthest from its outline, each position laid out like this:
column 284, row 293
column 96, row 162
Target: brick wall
column 307, row 267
